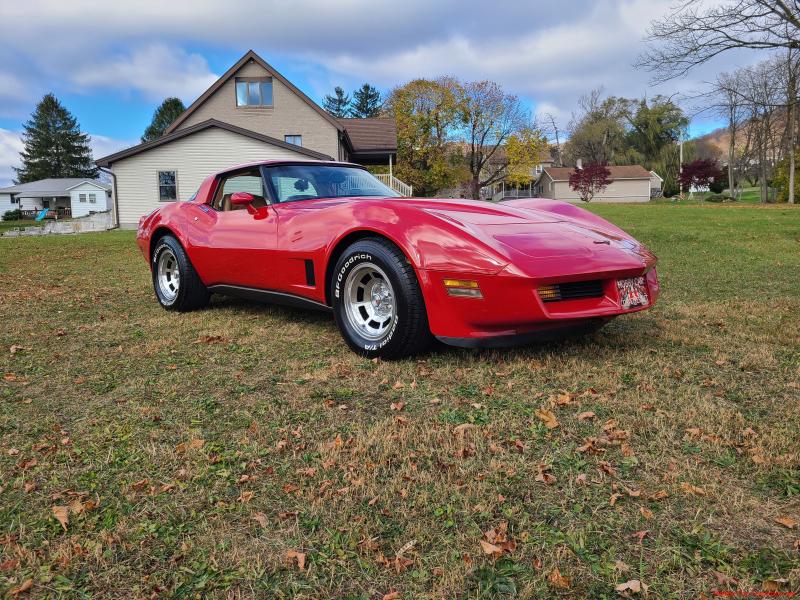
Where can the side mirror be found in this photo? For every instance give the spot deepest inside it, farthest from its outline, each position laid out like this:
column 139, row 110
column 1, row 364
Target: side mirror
column 241, row 199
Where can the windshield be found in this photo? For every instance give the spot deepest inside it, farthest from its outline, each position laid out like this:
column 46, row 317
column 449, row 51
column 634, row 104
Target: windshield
column 307, row 182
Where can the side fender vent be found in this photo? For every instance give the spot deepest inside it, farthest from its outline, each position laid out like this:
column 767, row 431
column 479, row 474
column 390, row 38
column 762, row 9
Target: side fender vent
column 310, row 279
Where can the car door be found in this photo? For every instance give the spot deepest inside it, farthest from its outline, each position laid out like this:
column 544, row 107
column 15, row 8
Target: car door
column 236, row 245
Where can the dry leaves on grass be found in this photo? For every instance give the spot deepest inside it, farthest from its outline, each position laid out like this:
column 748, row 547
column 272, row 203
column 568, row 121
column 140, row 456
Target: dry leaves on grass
column 693, row 489
column 495, row 541
column 558, row 581
column 393, row 595
column 787, row 522
column 634, row 586
column 61, row 513
column 193, row 444
column 25, row 586
column 547, row 417
column 293, row 557
column 544, row 475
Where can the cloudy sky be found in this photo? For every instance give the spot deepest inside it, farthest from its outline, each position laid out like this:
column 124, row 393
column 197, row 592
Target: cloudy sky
column 112, row 63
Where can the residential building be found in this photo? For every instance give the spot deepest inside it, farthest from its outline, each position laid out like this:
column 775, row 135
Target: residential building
column 251, row 113
column 65, row 197
column 629, row 183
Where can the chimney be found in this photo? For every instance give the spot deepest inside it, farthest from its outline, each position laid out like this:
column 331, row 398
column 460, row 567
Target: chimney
column 579, row 163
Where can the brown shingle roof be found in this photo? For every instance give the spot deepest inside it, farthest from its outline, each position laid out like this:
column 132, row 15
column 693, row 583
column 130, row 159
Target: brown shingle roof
column 370, row 135
column 617, row 172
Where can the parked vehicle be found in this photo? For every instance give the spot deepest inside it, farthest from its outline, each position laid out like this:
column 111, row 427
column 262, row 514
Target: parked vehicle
column 396, row 272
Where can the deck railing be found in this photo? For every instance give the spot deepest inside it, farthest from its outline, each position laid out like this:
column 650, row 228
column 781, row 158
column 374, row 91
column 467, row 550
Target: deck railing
column 398, row 186
column 53, row 213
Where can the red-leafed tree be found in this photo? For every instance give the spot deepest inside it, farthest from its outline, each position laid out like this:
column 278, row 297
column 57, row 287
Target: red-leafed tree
column 589, row 180
column 700, row 173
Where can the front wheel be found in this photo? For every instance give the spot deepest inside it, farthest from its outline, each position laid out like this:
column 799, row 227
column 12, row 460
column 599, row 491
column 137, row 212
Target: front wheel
column 377, row 301
column 177, row 285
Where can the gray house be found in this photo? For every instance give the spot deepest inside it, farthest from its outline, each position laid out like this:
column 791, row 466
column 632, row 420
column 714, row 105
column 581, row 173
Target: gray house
column 629, row 183
column 251, row 113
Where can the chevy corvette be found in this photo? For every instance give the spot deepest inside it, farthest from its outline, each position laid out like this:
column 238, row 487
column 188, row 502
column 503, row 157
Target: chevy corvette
column 395, row 272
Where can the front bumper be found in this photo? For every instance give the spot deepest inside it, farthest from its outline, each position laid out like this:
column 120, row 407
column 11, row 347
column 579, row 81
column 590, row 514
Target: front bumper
column 512, row 313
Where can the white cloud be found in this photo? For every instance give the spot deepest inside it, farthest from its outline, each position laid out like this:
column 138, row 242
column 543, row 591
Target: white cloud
column 10, row 147
column 156, row 70
column 547, row 52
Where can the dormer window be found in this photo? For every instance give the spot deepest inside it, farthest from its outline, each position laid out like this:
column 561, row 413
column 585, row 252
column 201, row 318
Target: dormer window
column 254, row 91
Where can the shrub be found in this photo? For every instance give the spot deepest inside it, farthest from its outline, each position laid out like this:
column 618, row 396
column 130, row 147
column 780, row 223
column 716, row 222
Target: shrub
column 12, row 215
column 717, row 185
column 716, row 198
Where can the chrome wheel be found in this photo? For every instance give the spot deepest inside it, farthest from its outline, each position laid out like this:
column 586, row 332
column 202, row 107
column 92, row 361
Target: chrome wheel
column 168, row 276
column 369, row 301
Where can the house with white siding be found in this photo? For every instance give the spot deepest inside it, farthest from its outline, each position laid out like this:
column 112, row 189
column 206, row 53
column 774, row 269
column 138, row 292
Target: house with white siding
column 629, row 183
column 64, row 197
column 249, row 114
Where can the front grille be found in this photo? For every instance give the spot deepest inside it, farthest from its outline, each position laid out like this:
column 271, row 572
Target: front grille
column 571, row 291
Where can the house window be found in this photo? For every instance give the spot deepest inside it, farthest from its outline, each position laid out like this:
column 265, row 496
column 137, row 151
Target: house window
column 297, row 140
column 167, row 186
column 82, row 197
column 14, row 199
column 93, row 198
column 254, row 92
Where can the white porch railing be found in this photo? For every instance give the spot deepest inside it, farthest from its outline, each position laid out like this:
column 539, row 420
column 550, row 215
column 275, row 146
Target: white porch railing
column 398, row 186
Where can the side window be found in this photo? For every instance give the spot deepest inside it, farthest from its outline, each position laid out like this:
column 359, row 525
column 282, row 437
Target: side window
column 289, row 189
column 247, row 181
column 82, row 197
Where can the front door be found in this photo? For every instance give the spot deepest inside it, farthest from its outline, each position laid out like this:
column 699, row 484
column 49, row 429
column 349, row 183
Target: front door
column 236, row 245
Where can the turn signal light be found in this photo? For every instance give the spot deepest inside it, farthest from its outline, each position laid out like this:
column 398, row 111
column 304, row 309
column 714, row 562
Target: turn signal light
column 549, row 292
column 464, row 288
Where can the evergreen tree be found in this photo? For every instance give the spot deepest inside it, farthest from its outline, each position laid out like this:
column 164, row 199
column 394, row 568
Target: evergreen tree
column 164, row 116
column 338, row 105
column 54, row 145
column 366, row 102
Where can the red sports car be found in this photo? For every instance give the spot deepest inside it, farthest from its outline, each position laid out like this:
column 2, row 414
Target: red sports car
column 396, row 272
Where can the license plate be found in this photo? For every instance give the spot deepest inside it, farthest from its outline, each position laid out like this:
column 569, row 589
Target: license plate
column 632, row 292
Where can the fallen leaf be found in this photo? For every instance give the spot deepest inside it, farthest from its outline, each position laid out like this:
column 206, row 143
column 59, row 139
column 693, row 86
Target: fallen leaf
column 547, row 417
column 557, row 580
column 461, row 429
column 261, row 518
column 23, row 587
column 646, row 512
column 581, row 479
column 399, row 385
column 725, row 580
column 659, row 495
column 397, row 405
column 621, row 566
column 293, row 556
column 787, row 522
column 544, row 475
column 634, row 585
column 491, row 549
column 692, row 489
column 586, row 415
column 640, row 535
column 8, row 565
column 614, row 498
column 392, row 596
column 61, row 513
column 16, row 348
column 193, row 444
column 246, row 496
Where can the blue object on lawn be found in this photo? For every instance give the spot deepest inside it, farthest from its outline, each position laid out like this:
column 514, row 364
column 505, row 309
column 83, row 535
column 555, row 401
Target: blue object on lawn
column 42, row 214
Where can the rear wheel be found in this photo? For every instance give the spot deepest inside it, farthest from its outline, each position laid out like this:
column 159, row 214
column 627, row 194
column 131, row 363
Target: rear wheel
column 176, row 283
column 377, row 301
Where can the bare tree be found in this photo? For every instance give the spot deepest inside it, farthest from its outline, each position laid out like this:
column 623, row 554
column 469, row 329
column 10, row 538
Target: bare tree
column 694, row 33
column 550, row 128
column 491, row 117
column 729, row 105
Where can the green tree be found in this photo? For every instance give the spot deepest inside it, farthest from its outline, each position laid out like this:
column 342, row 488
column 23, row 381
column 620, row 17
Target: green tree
column 163, row 117
column 54, row 145
column 524, row 151
column 366, row 102
column 339, row 104
column 653, row 125
column 426, row 113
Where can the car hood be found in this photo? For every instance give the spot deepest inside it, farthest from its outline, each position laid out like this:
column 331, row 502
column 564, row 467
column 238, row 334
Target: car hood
column 524, row 236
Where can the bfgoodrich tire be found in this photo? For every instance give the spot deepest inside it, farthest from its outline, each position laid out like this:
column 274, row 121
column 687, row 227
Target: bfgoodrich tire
column 176, row 283
column 377, row 301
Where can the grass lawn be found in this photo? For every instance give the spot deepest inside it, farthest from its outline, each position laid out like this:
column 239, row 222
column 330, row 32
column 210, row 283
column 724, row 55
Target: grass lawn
column 244, row 452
